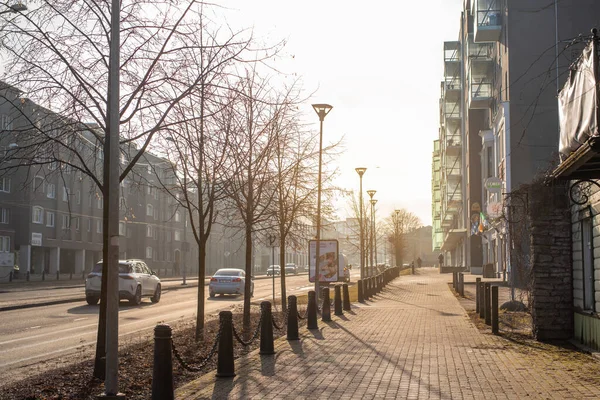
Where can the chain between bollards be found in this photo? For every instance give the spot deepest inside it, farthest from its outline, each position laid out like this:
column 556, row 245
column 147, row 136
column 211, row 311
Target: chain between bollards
column 203, row 361
column 254, row 335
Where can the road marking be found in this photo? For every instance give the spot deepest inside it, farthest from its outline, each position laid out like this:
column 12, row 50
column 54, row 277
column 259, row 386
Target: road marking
column 79, row 319
column 34, row 327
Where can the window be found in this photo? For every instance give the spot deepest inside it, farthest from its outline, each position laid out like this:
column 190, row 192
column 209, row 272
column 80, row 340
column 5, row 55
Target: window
column 79, row 197
column 5, row 185
column 38, row 215
column 149, row 231
column 168, row 256
column 122, row 229
column 66, row 221
column 178, row 216
column 101, row 154
column 149, row 252
column 4, row 214
column 38, row 184
column 52, row 166
column 68, row 169
column 51, row 191
column 99, row 226
column 156, row 213
column 76, row 219
column 5, row 122
column 100, row 202
column 66, row 193
column 177, row 236
column 90, row 200
column 50, row 219
column 587, row 248
column 149, row 169
column 490, row 161
column 150, row 210
column 4, row 244
column 169, row 236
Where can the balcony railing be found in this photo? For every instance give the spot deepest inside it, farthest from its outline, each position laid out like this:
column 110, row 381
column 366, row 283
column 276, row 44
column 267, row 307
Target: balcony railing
column 481, row 51
column 488, row 20
column 481, row 89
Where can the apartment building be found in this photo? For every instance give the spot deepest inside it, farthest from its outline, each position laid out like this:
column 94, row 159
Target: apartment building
column 498, row 119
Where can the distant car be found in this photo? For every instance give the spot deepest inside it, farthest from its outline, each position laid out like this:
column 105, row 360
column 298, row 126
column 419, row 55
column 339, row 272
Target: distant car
column 274, row 270
column 136, row 280
column 229, row 281
column 291, row 269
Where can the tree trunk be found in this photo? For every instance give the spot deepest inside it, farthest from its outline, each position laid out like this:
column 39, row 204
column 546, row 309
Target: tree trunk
column 247, row 286
column 201, row 291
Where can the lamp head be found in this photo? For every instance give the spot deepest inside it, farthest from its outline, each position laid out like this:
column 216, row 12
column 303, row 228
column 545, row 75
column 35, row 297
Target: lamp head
column 373, row 201
column 371, row 193
column 322, row 110
column 360, row 171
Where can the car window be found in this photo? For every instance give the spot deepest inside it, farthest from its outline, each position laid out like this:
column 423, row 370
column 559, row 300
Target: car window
column 124, row 268
column 227, row 273
column 145, row 268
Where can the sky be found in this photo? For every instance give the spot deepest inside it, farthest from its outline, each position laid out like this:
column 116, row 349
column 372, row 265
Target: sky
column 379, row 64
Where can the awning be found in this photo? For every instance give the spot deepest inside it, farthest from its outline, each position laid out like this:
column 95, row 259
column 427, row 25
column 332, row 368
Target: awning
column 453, row 237
column 583, row 163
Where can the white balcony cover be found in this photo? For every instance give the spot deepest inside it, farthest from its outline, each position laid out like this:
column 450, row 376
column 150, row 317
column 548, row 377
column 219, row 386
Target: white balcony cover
column 577, row 105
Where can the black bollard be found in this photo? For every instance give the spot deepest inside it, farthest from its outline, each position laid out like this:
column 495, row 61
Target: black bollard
column 374, row 285
column 292, row 321
column 477, row 282
column 488, row 304
column 57, row 275
column 481, row 298
column 346, row 297
column 83, row 274
column 27, row 276
column 43, row 275
column 311, row 318
column 225, row 363
column 266, row 329
column 162, row 373
column 366, row 288
column 326, row 310
column 454, row 280
column 10, row 276
column 461, row 284
column 361, row 297
column 337, row 300
column 495, row 310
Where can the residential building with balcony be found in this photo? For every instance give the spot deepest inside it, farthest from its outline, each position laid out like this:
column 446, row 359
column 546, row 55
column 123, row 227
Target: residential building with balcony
column 498, row 119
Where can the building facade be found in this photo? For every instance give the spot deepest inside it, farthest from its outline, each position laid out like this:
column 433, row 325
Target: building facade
column 498, row 121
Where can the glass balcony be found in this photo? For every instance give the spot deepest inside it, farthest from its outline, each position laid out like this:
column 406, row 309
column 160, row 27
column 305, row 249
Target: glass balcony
column 452, row 58
column 452, row 110
column 452, row 87
column 480, row 93
column 488, row 20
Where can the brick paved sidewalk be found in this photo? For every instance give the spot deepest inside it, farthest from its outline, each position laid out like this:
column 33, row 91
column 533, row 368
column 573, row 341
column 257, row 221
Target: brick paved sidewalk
column 414, row 342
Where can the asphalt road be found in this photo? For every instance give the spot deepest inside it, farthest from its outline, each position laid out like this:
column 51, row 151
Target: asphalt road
column 44, row 337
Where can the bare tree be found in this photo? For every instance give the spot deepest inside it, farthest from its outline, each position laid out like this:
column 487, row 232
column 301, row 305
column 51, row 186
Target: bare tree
column 58, row 54
column 398, row 224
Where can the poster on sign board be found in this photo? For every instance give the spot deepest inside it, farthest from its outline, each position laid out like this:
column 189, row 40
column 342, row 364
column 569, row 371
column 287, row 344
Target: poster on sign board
column 328, row 265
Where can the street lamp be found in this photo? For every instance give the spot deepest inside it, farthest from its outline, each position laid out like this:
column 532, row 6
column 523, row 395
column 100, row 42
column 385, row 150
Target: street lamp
column 396, row 249
column 373, row 232
column 361, row 171
column 322, row 110
column 371, row 193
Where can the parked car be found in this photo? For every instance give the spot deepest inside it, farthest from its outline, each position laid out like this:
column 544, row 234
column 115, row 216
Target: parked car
column 229, row 281
column 274, row 270
column 291, row 269
column 136, row 280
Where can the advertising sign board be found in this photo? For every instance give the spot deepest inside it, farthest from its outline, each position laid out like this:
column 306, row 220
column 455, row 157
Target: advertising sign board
column 329, row 267
column 36, row 239
column 493, row 184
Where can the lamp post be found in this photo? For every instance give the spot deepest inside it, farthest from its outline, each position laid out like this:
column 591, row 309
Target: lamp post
column 374, row 231
column 397, row 245
column 361, row 171
column 322, row 110
column 371, row 193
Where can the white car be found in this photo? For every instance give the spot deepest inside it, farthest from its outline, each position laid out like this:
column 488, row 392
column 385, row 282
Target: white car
column 274, row 270
column 229, row 281
column 136, row 280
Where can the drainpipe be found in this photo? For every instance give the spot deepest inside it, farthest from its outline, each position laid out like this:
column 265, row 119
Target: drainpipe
column 508, row 180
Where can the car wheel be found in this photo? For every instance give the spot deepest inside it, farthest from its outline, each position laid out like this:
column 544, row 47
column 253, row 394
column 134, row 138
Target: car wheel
column 211, row 294
column 157, row 293
column 137, row 298
column 92, row 300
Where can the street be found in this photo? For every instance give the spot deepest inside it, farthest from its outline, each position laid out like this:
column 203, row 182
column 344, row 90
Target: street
column 46, row 337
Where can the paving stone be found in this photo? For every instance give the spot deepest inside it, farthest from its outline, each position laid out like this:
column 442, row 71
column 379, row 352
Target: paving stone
column 414, row 341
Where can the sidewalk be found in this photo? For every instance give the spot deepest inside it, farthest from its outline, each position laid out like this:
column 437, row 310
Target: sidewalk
column 414, row 342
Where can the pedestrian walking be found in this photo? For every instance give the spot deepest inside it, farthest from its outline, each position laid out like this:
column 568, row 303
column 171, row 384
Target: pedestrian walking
column 441, row 259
